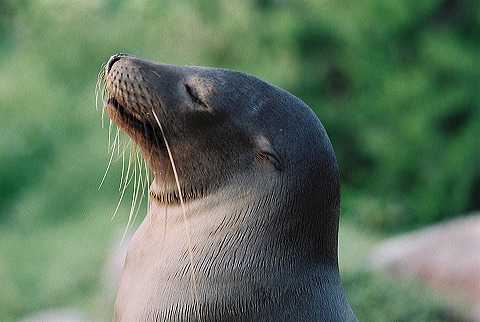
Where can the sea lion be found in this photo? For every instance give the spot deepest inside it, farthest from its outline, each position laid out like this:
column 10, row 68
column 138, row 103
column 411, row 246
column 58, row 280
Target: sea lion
column 245, row 199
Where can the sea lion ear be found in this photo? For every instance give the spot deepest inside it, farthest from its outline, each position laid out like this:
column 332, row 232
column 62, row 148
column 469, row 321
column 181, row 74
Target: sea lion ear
column 266, row 152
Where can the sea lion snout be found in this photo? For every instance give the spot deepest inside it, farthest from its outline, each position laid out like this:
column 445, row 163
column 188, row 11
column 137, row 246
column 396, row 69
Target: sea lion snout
column 113, row 59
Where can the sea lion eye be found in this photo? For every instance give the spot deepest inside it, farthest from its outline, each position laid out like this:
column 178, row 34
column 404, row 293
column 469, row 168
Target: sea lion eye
column 192, row 91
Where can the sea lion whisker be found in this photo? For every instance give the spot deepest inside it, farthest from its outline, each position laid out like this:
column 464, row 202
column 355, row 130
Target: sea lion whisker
column 124, row 143
column 103, row 114
column 114, row 144
column 110, row 125
column 148, row 172
column 114, row 148
column 120, row 155
column 131, row 164
column 137, row 188
column 101, row 92
column 118, row 204
column 152, row 105
column 134, row 199
column 118, row 145
column 99, row 88
column 141, row 181
column 100, row 85
column 145, row 175
column 184, row 213
column 125, row 180
column 106, row 170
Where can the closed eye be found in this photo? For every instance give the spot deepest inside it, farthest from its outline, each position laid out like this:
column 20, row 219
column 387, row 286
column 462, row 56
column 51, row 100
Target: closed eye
column 193, row 94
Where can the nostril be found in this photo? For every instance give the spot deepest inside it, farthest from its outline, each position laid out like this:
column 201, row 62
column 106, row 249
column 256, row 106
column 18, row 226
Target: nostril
column 113, row 59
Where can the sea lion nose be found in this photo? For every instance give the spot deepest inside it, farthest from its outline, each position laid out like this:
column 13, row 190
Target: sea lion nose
column 113, row 59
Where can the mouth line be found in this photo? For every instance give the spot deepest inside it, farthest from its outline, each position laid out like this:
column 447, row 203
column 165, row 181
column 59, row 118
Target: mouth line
column 139, row 130
column 124, row 115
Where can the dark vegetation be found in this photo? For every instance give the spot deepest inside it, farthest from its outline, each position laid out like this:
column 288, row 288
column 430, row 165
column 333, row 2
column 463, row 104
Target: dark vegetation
column 396, row 84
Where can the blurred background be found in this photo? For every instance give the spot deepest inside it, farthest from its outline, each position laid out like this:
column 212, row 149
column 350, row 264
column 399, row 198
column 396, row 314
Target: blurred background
column 395, row 83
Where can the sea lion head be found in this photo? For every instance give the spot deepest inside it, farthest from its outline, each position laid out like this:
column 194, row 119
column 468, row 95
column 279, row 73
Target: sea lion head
column 229, row 129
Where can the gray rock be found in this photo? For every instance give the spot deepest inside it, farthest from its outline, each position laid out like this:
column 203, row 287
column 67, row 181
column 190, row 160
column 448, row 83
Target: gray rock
column 445, row 256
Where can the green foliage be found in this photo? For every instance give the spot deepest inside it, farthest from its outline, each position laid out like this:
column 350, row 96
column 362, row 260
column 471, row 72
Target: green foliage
column 396, row 85
column 378, row 297
column 394, row 82
column 45, row 266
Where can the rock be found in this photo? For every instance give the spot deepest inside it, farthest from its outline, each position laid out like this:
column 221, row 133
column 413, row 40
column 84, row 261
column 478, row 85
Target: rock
column 445, row 256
